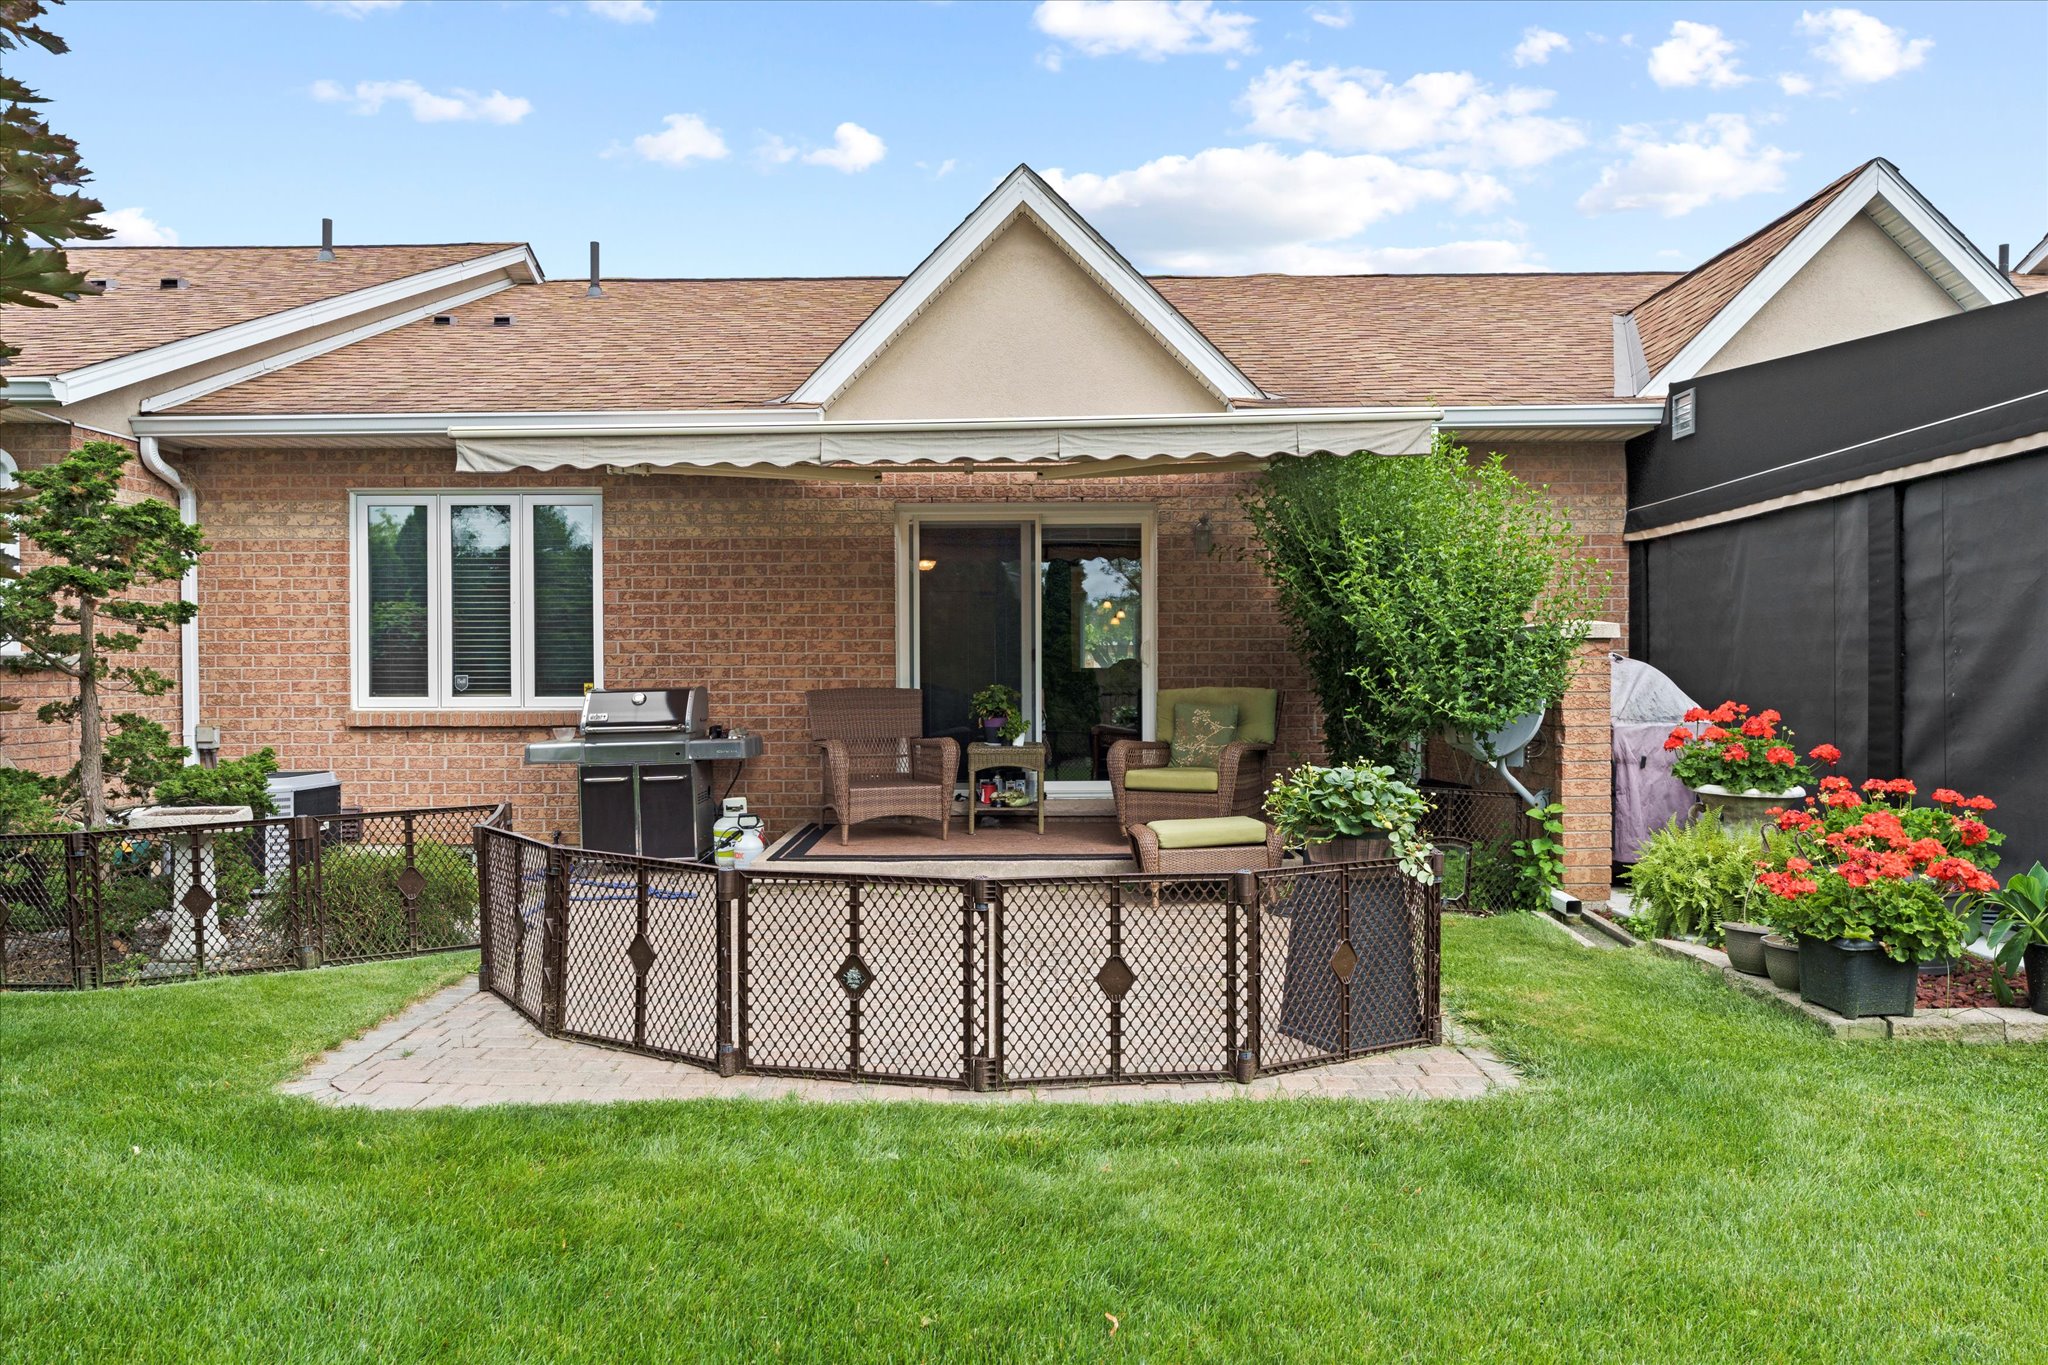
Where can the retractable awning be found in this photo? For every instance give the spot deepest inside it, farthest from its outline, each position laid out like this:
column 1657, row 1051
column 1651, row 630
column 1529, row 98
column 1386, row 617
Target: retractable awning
column 1063, row 449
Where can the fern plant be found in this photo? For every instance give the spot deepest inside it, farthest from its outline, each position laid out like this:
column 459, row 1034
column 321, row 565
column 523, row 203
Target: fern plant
column 1691, row 877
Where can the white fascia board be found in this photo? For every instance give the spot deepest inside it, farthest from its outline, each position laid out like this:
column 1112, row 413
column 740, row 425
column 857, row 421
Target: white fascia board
column 1620, row 415
column 214, row 383
column 2034, row 260
column 1879, row 181
column 29, row 389
column 1023, row 190
column 726, row 420
column 88, row 381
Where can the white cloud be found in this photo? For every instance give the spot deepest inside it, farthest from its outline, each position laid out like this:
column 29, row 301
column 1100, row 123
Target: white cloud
column 1336, row 15
column 1710, row 161
column 354, row 9
column 774, row 151
column 622, row 11
column 1149, row 29
column 133, row 227
column 1446, row 116
column 1695, row 54
column 1537, row 45
column 684, row 138
column 853, row 149
column 1259, row 207
column 457, row 106
column 1792, row 83
column 1860, row 48
column 1489, row 256
column 940, row 171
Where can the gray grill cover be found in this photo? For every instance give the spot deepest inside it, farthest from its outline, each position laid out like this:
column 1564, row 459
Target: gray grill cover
column 1645, row 705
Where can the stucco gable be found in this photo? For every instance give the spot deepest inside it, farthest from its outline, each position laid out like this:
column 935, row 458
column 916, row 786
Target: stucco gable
column 1022, row 331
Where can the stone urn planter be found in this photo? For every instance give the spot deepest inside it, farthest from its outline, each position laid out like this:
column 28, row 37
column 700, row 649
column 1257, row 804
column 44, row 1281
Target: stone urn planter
column 1854, row 978
column 1745, row 945
column 1745, row 810
column 195, row 934
column 1781, row 961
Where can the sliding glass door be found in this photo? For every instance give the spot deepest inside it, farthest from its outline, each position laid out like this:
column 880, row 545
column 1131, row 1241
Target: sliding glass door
column 1054, row 603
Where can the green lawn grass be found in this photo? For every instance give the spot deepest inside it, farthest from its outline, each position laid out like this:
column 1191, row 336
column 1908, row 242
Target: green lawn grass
column 1687, row 1175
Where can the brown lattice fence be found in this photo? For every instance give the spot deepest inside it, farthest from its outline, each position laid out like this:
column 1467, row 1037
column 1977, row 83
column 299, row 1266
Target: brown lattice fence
column 974, row 983
column 133, row 906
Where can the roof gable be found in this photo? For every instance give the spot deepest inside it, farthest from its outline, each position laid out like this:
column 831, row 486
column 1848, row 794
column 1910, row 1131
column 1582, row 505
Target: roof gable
column 1023, row 193
column 1682, row 326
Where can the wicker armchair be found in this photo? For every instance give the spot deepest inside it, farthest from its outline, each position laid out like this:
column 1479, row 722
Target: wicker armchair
column 1240, row 773
column 876, row 760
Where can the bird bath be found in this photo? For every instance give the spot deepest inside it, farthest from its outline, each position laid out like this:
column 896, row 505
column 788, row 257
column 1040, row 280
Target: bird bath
column 194, row 914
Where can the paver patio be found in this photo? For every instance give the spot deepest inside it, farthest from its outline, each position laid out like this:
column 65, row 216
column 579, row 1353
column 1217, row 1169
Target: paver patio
column 466, row 1047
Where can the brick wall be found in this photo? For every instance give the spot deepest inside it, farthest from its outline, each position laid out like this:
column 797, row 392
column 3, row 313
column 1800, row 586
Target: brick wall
column 53, row 748
column 758, row 589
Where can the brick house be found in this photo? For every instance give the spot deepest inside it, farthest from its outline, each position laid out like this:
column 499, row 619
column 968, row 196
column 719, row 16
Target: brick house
column 443, row 492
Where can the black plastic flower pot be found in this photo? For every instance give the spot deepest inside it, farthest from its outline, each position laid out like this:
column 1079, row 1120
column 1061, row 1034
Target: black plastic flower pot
column 1854, row 979
column 1781, row 960
column 2037, row 977
column 1745, row 945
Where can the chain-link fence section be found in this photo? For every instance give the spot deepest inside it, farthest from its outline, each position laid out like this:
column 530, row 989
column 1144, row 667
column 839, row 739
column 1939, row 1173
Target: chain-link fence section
column 169, row 902
column 974, row 983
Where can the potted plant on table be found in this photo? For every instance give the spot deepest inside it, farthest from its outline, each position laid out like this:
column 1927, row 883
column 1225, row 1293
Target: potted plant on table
column 1740, row 764
column 1352, row 814
column 1872, row 884
column 2019, row 936
column 1000, row 713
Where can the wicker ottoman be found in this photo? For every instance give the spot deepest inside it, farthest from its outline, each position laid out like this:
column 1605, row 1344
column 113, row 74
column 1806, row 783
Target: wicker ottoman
column 1218, row 845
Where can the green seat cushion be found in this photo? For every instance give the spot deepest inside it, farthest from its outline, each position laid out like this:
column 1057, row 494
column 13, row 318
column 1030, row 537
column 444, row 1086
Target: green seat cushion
column 1256, row 709
column 1170, row 780
column 1223, row 831
column 1200, row 730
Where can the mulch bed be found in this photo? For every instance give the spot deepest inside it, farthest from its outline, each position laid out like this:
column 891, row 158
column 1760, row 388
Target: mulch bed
column 1967, row 986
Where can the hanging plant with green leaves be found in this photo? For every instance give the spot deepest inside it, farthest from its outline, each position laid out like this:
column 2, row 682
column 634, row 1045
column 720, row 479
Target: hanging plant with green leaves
column 1425, row 593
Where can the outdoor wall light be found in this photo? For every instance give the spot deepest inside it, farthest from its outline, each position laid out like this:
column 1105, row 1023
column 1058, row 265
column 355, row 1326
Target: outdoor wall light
column 1205, row 535
column 927, row 565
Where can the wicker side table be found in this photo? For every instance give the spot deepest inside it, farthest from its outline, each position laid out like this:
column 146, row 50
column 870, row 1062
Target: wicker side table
column 983, row 758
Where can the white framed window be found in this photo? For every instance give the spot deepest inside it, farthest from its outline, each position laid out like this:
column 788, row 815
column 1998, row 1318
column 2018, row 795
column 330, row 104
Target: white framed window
column 475, row 600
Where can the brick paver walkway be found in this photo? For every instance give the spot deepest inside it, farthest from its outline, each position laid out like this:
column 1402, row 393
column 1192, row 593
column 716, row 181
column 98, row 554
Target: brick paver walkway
column 466, row 1047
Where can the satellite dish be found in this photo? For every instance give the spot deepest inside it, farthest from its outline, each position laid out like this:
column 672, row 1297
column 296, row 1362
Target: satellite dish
column 1504, row 743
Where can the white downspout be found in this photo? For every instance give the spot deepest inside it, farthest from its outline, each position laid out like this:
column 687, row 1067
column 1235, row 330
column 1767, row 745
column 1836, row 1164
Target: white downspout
column 188, row 590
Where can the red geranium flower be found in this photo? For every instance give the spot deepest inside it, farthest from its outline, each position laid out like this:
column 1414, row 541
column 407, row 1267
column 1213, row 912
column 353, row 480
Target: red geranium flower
column 1947, row 796
column 1834, row 784
column 1756, row 727
column 1735, row 753
column 1724, row 714
column 1698, row 713
column 1716, row 734
column 1781, row 756
column 1674, row 742
column 1979, row 803
column 1825, row 753
column 1972, row 832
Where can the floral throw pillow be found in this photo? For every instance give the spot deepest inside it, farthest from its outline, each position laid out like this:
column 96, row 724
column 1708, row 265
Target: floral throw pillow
column 1200, row 730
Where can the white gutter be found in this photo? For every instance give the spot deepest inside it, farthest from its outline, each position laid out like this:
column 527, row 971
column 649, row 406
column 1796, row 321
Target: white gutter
column 1623, row 415
column 188, row 590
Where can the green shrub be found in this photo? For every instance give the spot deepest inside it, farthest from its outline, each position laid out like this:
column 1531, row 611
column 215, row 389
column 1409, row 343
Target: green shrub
column 366, row 915
column 1690, row 877
column 243, row 781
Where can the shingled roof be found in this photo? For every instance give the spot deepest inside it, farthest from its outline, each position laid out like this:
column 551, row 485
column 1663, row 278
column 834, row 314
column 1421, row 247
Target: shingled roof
column 1674, row 315
column 690, row 344
column 221, row 286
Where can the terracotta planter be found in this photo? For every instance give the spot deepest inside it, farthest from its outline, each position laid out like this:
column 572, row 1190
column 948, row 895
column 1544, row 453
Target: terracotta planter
column 1854, row 978
column 1745, row 944
column 1781, row 961
column 1745, row 810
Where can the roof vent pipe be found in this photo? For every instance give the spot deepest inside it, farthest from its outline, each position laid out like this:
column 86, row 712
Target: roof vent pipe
column 596, row 290
column 326, row 240
column 2005, row 258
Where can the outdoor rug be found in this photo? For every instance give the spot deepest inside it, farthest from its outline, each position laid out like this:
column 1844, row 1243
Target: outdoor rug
column 1015, row 839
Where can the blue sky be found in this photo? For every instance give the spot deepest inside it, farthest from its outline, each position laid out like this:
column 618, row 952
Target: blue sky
column 848, row 138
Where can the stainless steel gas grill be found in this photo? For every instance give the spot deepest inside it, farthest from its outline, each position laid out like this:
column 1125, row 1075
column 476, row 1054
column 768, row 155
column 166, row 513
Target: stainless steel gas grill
column 646, row 761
